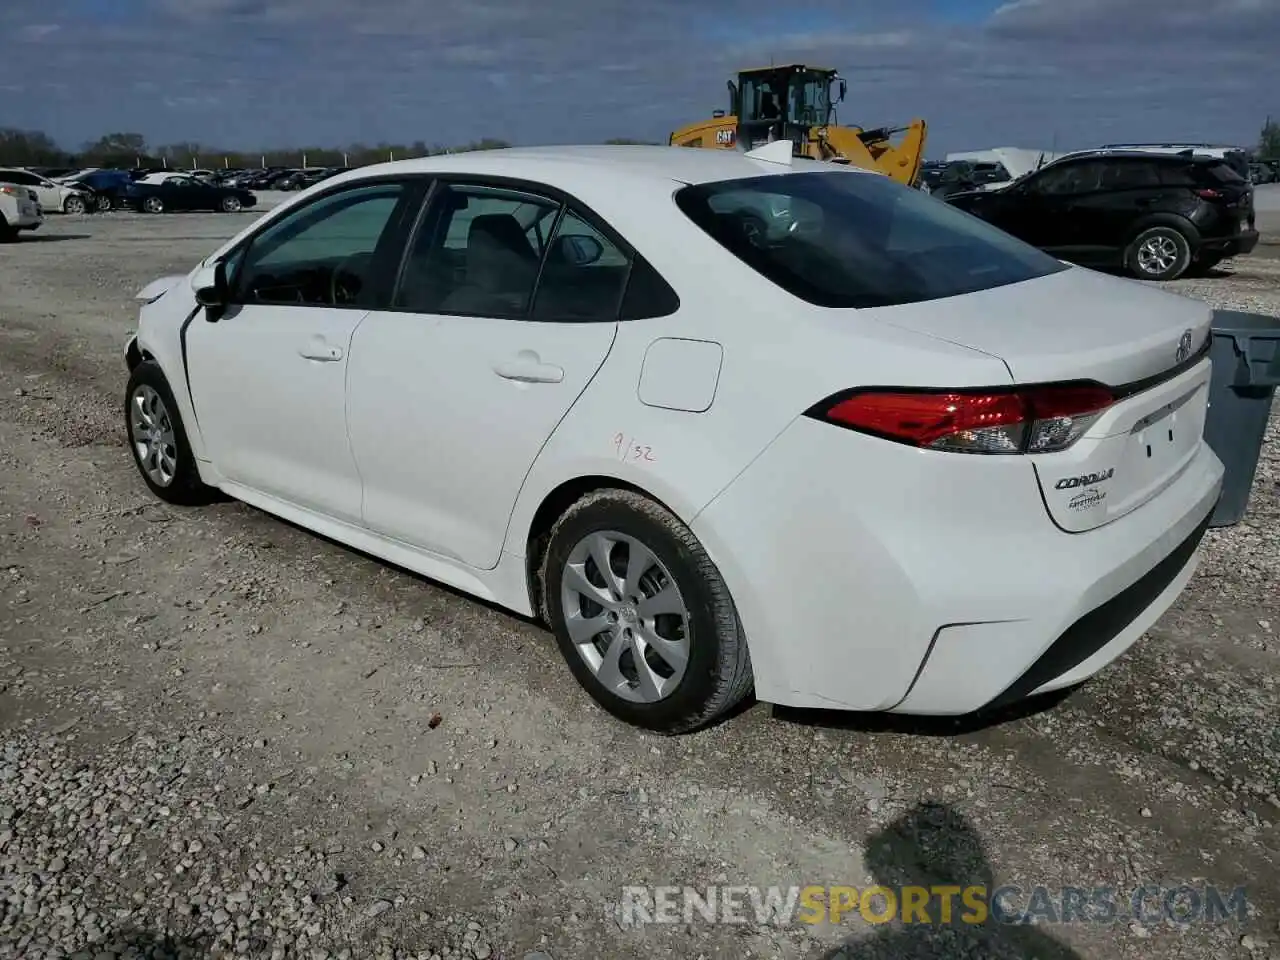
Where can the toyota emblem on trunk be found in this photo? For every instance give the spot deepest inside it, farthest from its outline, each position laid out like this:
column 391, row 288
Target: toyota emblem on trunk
column 1184, row 347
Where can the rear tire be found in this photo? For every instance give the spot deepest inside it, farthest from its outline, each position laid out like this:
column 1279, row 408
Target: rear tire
column 8, row 234
column 103, row 204
column 1158, row 253
column 158, row 439
column 698, row 623
column 153, row 205
column 73, row 205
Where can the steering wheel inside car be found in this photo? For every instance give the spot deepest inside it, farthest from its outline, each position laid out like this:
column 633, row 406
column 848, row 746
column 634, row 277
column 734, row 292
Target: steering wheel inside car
column 345, row 285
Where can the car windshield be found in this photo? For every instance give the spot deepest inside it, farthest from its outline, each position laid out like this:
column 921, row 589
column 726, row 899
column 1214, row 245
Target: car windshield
column 846, row 239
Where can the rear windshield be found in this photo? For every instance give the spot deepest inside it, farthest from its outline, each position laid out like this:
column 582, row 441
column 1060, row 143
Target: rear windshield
column 846, row 239
column 1223, row 172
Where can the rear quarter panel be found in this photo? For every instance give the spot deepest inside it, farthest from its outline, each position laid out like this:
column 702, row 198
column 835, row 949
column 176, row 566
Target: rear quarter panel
column 780, row 356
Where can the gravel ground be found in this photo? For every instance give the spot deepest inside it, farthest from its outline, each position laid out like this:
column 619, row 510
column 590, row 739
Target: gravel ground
column 223, row 736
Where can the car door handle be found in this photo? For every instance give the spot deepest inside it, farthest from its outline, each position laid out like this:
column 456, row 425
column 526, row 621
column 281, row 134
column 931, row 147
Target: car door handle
column 318, row 349
column 526, row 367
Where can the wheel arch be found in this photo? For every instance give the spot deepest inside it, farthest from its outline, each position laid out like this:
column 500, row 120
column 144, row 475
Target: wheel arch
column 1173, row 220
column 537, row 533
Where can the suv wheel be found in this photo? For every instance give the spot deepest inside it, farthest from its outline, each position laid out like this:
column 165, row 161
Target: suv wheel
column 1158, row 253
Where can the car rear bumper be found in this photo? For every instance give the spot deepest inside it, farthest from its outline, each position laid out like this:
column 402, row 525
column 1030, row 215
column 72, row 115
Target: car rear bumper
column 1241, row 243
column 875, row 576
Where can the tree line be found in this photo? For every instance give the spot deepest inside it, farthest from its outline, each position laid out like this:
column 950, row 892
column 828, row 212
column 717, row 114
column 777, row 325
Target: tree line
column 34, row 148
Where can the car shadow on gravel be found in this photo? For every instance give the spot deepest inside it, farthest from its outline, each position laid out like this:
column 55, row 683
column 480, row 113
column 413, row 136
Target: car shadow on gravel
column 934, row 845
column 923, row 726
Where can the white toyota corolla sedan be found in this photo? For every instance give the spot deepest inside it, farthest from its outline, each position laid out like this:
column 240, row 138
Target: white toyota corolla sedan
column 723, row 420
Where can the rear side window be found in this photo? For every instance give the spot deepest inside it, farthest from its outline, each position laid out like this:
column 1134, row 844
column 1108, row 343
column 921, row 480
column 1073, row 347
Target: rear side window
column 845, row 239
column 1178, row 174
column 1130, row 174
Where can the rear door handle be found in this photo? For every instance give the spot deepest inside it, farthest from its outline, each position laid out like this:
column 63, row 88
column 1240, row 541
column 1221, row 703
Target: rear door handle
column 526, row 367
column 317, row 348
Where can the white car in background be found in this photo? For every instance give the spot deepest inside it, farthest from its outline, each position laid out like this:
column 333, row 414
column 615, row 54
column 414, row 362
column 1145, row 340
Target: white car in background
column 19, row 210
column 53, row 197
column 882, row 457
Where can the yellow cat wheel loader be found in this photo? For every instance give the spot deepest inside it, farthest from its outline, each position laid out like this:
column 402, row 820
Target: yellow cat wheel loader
column 796, row 102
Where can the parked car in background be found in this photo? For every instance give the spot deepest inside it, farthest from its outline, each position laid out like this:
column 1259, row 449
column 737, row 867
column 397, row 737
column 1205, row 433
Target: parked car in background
column 1157, row 215
column 53, row 197
column 53, row 173
column 1263, row 173
column 19, row 210
column 885, row 457
column 186, row 193
column 108, row 186
column 956, row 176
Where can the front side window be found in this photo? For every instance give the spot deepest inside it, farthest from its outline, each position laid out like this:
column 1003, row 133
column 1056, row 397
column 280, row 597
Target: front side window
column 477, row 252
column 847, row 239
column 1070, row 178
column 323, row 254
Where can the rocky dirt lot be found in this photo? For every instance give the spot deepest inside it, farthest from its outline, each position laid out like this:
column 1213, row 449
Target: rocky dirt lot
column 223, row 736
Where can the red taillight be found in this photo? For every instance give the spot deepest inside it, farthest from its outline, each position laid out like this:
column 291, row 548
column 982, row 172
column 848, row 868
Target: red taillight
column 11, row 191
column 1029, row 420
column 1208, row 193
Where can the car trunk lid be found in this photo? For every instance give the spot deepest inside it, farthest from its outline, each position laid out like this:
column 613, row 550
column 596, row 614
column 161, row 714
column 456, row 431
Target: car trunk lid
column 1146, row 345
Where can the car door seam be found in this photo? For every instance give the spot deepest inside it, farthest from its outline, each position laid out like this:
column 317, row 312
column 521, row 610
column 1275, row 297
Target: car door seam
column 346, row 409
column 186, row 366
column 547, row 439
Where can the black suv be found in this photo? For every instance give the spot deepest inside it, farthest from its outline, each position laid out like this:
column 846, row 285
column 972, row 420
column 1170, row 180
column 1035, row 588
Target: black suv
column 1158, row 215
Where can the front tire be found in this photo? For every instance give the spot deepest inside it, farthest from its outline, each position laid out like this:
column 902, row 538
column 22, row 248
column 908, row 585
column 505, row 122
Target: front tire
column 231, row 205
column 153, row 205
column 104, row 204
column 641, row 614
column 158, row 438
column 1158, row 253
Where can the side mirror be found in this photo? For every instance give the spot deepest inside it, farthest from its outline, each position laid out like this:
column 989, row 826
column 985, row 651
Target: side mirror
column 844, row 88
column 581, row 250
column 209, row 283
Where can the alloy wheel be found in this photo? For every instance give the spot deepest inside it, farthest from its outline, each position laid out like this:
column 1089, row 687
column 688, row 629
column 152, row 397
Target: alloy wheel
column 1157, row 254
column 151, row 430
column 626, row 616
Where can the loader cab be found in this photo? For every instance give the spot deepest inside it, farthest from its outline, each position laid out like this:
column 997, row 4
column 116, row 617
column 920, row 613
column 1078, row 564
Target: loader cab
column 783, row 103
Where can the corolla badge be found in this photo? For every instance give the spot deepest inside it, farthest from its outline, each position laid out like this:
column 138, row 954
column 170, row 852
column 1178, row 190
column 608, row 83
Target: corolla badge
column 1184, row 347
column 1087, row 480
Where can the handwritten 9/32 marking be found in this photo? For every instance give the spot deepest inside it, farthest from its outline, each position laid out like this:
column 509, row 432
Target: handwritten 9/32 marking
column 628, row 450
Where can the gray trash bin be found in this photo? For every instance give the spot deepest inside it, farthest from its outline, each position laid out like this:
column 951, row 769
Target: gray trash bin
column 1246, row 371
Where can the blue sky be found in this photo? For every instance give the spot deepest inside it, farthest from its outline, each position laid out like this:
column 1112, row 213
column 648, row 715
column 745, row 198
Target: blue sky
column 250, row 73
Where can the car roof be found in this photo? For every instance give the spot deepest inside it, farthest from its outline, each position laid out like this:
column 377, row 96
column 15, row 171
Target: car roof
column 1104, row 153
column 563, row 165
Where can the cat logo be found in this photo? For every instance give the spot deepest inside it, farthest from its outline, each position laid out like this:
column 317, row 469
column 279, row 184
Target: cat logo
column 725, row 138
